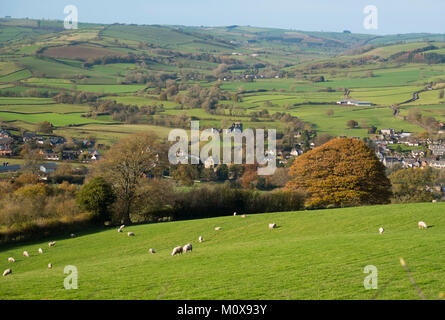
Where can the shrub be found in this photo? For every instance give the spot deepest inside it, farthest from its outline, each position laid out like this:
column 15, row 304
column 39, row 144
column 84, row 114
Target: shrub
column 96, row 196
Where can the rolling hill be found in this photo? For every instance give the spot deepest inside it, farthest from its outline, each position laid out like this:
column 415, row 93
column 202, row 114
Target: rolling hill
column 311, row 255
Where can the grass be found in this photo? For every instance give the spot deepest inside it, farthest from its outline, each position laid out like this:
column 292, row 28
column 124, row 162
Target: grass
column 312, row 255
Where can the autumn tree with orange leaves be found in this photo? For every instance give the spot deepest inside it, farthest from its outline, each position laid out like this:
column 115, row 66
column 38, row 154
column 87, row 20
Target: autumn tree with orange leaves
column 342, row 172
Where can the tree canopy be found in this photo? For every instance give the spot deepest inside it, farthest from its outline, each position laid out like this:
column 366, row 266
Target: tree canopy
column 342, row 172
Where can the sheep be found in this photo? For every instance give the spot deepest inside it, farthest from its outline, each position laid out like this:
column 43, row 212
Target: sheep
column 272, row 226
column 200, row 239
column 40, row 250
column 72, row 235
column 217, row 228
column 130, row 234
column 176, row 251
column 243, row 216
column 381, row 230
column 52, row 244
column 122, row 226
column 187, row 247
column 422, row 225
column 152, row 251
column 11, row 259
column 6, row 272
column 119, row 230
column 234, row 214
column 25, row 254
column 50, row 266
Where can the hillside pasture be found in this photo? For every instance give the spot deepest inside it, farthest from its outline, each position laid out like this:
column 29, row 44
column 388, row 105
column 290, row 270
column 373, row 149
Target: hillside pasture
column 311, row 255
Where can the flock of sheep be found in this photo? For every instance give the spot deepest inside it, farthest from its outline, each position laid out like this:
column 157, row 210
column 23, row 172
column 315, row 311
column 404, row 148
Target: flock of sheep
column 177, row 250
column 421, row 225
column 26, row 255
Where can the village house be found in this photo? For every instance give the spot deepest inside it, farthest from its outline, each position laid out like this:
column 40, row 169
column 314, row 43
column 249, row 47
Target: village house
column 417, row 153
column 437, row 164
column 209, row 163
column 390, row 162
column 387, row 132
column 48, row 167
column 437, row 149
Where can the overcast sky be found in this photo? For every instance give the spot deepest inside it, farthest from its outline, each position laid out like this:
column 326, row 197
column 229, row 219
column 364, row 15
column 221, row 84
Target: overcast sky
column 394, row 16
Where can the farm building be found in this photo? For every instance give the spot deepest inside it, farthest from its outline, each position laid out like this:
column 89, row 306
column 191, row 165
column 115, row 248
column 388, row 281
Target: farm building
column 355, row 103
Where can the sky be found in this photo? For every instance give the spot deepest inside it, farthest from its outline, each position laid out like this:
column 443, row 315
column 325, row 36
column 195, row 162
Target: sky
column 393, row 16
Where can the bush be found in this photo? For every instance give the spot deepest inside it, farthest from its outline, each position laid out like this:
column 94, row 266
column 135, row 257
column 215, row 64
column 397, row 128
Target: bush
column 96, row 196
column 223, row 200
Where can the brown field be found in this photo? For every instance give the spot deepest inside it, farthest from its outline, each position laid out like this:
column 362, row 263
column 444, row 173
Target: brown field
column 80, row 52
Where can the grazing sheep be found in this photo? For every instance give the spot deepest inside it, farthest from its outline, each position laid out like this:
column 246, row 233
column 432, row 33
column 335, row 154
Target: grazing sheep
column 11, row 259
column 176, row 251
column 381, row 230
column 119, row 230
column 72, row 235
column 25, row 254
column 40, row 250
column 217, row 228
column 200, row 239
column 6, row 272
column 130, row 234
column 422, row 225
column 50, row 266
column 234, row 213
column 243, row 216
column 151, row 251
column 122, row 226
column 52, row 244
column 272, row 226
column 187, row 247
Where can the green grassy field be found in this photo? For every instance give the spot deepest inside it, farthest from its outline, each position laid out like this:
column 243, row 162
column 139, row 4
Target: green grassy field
column 311, row 255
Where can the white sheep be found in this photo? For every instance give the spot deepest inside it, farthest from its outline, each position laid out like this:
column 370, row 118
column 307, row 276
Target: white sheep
column 272, row 226
column 130, row 234
column 72, row 235
column 40, row 250
column 187, row 247
column 52, row 244
column 176, row 251
column 422, row 225
column 11, row 259
column 234, row 213
column 217, row 228
column 381, row 230
column 119, row 230
column 50, row 266
column 152, row 251
column 243, row 216
column 6, row 272
column 122, row 226
column 200, row 239
column 25, row 254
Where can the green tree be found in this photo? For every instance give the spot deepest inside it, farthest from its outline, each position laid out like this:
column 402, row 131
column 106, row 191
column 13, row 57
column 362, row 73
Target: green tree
column 352, row 124
column 96, row 196
column 222, row 172
column 127, row 163
column 45, row 127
